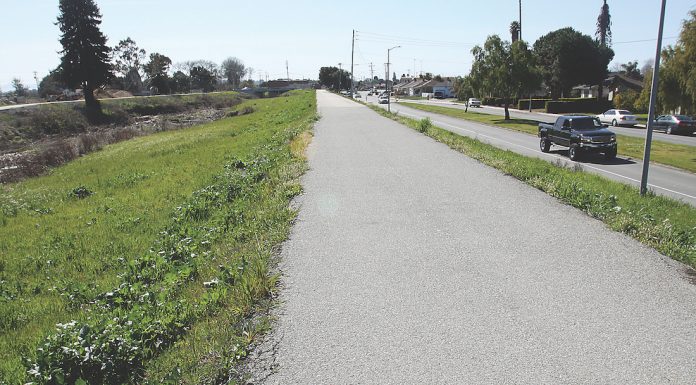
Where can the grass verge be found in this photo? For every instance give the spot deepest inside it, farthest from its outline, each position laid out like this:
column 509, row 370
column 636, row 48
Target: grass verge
column 671, row 154
column 149, row 255
column 667, row 225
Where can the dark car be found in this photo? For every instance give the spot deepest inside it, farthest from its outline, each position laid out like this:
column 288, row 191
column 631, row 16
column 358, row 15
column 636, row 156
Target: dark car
column 580, row 134
column 675, row 124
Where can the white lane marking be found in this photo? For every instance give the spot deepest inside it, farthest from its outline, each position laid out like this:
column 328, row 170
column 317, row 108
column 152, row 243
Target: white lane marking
column 552, row 155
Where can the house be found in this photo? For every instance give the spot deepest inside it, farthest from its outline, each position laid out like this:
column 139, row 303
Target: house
column 430, row 87
column 614, row 84
column 408, row 87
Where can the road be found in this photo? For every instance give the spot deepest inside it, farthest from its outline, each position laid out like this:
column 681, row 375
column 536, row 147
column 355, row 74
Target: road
column 663, row 180
column 410, row 263
column 638, row 132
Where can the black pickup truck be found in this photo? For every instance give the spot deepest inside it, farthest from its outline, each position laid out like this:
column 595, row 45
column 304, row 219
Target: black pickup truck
column 580, row 134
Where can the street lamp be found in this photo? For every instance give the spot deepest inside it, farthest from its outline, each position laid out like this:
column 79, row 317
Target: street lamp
column 387, row 78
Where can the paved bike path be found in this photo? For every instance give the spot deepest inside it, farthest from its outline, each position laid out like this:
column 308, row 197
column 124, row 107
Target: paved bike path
column 411, row 263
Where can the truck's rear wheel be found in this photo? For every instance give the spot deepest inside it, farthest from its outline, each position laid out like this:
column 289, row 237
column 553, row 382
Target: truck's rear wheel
column 544, row 145
column 574, row 152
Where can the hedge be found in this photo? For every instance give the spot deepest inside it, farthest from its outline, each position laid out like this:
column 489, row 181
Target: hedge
column 523, row 104
column 578, row 105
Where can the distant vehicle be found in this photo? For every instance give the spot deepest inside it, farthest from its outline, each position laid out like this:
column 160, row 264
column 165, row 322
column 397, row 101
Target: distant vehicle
column 473, row 102
column 439, row 95
column 580, row 134
column 675, row 124
column 357, row 95
column 618, row 118
column 383, row 99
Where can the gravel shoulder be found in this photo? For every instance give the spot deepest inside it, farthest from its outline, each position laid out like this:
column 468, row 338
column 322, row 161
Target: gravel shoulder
column 411, row 263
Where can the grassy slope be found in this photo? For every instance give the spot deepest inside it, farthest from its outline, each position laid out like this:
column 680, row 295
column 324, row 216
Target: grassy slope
column 675, row 155
column 660, row 222
column 58, row 252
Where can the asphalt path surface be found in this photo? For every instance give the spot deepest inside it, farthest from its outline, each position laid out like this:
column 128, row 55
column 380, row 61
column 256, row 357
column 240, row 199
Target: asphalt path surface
column 638, row 132
column 410, row 263
column 664, row 180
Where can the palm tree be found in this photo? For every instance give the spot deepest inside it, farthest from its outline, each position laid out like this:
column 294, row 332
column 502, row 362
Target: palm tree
column 604, row 26
column 515, row 30
column 604, row 35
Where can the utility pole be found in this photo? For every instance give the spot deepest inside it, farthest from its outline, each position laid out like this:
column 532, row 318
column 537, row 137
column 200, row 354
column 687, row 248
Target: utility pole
column 340, row 75
column 352, row 53
column 372, row 72
column 520, row 32
column 387, row 78
column 287, row 70
column 651, row 109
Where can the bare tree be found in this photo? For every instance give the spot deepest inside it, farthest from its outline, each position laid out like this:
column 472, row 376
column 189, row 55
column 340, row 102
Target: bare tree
column 233, row 70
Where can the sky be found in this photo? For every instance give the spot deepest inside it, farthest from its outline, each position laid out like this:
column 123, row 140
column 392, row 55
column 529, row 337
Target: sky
column 435, row 36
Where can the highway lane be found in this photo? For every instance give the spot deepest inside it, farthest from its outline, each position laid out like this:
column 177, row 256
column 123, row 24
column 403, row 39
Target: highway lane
column 663, row 180
column 638, row 132
column 410, row 263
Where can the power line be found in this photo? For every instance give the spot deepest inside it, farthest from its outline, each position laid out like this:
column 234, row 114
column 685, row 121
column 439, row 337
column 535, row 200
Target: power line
column 643, row 41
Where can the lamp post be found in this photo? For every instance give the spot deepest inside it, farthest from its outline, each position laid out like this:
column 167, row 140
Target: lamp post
column 651, row 108
column 388, row 71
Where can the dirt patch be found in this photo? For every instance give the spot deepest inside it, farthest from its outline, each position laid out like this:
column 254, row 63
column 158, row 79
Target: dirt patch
column 53, row 151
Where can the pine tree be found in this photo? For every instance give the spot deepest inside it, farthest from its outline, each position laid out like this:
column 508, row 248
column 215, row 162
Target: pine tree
column 85, row 55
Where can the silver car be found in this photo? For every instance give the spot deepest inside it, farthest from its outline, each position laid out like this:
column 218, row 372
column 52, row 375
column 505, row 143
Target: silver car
column 618, row 118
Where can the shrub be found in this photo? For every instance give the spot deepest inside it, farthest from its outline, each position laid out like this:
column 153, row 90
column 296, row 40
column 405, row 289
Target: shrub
column 57, row 153
column 57, row 120
column 625, row 100
column 424, row 124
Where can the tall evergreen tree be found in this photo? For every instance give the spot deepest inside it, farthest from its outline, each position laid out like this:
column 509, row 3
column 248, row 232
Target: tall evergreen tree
column 85, row 55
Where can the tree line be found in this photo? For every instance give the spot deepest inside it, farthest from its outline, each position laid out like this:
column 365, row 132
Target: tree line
column 565, row 58
column 87, row 62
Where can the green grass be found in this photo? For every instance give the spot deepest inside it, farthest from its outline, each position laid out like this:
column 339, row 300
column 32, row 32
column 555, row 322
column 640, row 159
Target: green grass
column 19, row 127
column 665, row 224
column 671, row 154
column 167, row 213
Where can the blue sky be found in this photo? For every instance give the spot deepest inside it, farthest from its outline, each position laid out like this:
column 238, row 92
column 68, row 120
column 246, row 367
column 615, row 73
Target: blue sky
column 436, row 36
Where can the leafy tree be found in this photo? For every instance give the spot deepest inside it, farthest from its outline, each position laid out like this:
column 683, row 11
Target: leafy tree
column 187, row 66
column 180, row 83
column 438, row 78
column 233, row 70
column 202, row 78
column 567, row 58
column 51, row 84
column 679, row 81
column 642, row 102
column 156, row 71
column 128, row 62
column 19, row 88
column 128, row 56
column 515, row 31
column 673, row 93
column 631, row 70
column 603, row 32
column 333, row 78
column 504, row 70
column 85, row 55
column 463, row 88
